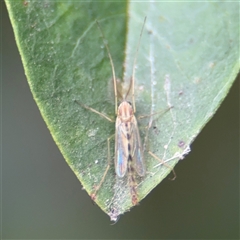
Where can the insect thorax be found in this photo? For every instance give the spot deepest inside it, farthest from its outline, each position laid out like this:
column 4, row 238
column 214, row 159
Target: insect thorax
column 125, row 111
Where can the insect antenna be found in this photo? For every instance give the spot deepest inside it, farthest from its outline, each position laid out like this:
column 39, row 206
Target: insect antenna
column 112, row 65
column 134, row 65
column 129, row 88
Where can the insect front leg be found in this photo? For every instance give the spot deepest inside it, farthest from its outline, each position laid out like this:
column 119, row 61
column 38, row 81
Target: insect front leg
column 93, row 110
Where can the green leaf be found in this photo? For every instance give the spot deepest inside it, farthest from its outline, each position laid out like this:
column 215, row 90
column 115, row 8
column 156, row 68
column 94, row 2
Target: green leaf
column 188, row 59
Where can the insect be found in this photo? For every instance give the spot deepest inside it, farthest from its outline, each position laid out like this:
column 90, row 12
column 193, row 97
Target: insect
column 129, row 158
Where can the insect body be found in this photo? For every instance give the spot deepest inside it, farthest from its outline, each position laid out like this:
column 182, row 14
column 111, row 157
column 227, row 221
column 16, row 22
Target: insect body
column 128, row 149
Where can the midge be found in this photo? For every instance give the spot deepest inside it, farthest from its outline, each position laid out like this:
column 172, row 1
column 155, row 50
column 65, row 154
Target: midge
column 128, row 148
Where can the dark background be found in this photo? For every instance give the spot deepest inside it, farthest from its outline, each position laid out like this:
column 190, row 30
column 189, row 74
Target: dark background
column 42, row 198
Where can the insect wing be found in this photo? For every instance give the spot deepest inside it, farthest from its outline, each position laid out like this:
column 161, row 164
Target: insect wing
column 121, row 156
column 138, row 160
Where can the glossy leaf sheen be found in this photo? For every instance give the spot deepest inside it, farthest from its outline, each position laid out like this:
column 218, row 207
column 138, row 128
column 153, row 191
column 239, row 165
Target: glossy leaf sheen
column 188, row 58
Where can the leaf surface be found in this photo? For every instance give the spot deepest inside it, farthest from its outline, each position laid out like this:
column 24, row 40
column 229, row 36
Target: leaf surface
column 188, row 59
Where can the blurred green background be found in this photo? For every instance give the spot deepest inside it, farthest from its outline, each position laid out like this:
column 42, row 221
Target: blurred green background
column 42, row 198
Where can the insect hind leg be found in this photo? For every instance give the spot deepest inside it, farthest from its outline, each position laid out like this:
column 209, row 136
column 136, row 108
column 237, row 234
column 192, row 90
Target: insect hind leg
column 94, row 194
column 146, row 140
column 165, row 164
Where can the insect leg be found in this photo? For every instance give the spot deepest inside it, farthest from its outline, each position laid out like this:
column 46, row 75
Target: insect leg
column 94, row 194
column 146, row 139
column 95, row 111
column 160, row 113
column 165, row 164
